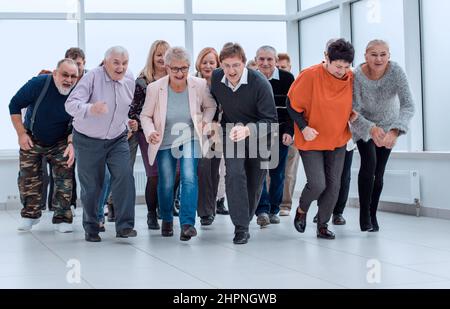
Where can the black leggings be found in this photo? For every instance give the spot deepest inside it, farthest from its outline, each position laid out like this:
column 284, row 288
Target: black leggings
column 370, row 180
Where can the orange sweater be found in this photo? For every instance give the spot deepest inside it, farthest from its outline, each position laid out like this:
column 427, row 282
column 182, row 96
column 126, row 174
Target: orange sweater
column 326, row 103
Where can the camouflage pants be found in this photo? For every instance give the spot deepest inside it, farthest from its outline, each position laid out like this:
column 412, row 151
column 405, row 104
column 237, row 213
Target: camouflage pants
column 31, row 183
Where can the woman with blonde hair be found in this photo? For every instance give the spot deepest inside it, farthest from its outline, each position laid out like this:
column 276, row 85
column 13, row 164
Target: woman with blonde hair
column 383, row 99
column 154, row 70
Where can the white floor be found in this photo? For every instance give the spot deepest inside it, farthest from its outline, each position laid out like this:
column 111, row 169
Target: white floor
column 412, row 253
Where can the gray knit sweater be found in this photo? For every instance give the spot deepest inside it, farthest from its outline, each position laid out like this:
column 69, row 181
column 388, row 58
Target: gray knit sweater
column 386, row 103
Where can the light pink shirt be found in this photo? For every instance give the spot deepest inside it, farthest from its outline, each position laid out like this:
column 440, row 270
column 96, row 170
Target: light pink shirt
column 96, row 86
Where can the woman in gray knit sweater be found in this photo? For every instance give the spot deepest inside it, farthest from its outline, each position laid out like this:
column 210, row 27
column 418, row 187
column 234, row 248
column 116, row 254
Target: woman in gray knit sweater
column 382, row 97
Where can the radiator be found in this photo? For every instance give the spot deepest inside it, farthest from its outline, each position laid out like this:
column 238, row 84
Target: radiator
column 400, row 186
column 140, row 180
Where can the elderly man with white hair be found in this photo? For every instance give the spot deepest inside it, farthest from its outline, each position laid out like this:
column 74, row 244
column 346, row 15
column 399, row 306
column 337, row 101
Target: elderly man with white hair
column 99, row 104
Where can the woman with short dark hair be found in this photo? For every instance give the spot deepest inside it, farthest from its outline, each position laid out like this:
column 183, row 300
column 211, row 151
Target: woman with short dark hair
column 321, row 106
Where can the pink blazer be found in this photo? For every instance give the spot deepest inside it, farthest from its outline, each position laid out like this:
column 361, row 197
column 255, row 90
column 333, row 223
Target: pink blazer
column 153, row 116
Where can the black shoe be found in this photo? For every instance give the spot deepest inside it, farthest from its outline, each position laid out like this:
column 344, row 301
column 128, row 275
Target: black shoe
column 375, row 226
column 367, row 228
column 220, row 207
column 300, row 221
column 152, row 222
column 92, row 237
column 206, row 220
column 316, row 218
column 339, row 220
column 167, row 229
column 125, row 233
column 241, row 238
column 111, row 215
column 325, row 233
column 187, row 232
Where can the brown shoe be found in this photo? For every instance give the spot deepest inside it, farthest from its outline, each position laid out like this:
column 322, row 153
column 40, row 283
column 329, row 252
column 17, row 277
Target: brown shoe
column 167, row 229
column 187, row 231
column 338, row 220
column 325, row 233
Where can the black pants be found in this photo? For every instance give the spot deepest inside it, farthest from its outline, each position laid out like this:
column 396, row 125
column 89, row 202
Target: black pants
column 243, row 184
column 208, row 184
column 345, row 184
column 370, row 180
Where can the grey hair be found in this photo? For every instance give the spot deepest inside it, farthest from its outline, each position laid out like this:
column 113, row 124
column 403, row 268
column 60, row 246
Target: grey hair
column 66, row 60
column 116, row 50
column 267, row 48
column 375, row 43
column 178, row 53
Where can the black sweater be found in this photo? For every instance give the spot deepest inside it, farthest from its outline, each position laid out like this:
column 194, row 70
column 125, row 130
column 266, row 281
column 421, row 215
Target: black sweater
column 280, row 90
column 252, row 103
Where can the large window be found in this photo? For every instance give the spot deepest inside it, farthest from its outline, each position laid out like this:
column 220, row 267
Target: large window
column 33, row 44
column 135, row 35
column 315, row 32
column 251, row 35
column 378, row 19
column 28, row 47
column 436, row 51
column 239, row 6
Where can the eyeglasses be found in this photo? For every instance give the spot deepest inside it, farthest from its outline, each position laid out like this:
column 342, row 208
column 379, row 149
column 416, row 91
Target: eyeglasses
column 176, row 70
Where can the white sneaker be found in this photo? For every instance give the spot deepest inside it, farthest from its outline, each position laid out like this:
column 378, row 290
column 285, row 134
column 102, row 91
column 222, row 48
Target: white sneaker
column 284, row 212
column 64, row 227
column 27, row 223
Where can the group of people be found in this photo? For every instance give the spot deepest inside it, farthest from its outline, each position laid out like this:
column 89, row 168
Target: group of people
column 227, row 130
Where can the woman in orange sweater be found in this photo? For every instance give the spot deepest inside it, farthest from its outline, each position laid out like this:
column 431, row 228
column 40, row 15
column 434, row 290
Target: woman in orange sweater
column 320, row 103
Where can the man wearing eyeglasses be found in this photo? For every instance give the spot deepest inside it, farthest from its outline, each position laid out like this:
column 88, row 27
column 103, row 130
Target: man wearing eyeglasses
column 248, row 106
column 46, row 132
column 99, row 104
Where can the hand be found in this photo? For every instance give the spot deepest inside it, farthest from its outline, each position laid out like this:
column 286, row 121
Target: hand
column 69, row 152
column 210, row 129
column 309, row 134
column 155, row 137
column 287, row 139
column 353, row 116
column 390, row 139
column 99, row 108
column 129, row 134
column 25, row 141
column 239, row 133
column 378, row 135
column 133, row 124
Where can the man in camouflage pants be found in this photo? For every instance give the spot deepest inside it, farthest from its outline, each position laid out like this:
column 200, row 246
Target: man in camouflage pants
column 46, row 132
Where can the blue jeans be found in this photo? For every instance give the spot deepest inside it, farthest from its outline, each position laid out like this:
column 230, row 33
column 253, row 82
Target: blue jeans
column 270, row 200
column 167, row 164
column 106, row 189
